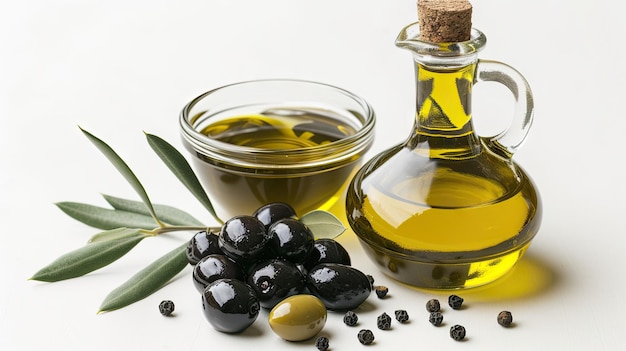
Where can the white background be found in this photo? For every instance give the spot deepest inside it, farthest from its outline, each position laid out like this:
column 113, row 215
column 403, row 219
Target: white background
column 118, row 68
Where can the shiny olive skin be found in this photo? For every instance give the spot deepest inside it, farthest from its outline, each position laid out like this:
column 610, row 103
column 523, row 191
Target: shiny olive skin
column 302, row 269
column 275, row 279
column 298, row 317
column 340, row 287
column 230, row 305
column 214, row 267
column 291, row 240
column 202, row 244
column 327, row 251
column 273, row 212
column 243, row 238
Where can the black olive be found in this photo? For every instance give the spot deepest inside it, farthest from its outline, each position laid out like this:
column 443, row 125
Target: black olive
column 273, row 212
column 202, row 244
column 230, row 305
column 212, row 268
column 273, row 280
column 291, row 240
column 340, row 287
column 302, row 269
column 243, row 238
column 327, row 251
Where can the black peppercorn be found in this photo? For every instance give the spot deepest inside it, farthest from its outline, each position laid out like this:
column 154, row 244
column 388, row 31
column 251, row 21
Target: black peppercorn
column 505, row 318
column 166, row 307
column 433, row 305
column 381, row 291
column 383, row 321
column 435, row 318
column 371, row 279
column 365, row 336
column 455, row 302
column 402, row 316
column 457, row 332
column 350, row 318
column 322, row 343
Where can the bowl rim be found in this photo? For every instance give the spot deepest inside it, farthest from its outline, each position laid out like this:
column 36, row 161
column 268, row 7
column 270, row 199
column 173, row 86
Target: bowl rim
column 326, row 155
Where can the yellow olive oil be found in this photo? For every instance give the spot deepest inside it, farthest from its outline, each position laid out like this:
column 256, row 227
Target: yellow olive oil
column 454, row 229
column 443, row 210
column 275, row 139
column 278, row 131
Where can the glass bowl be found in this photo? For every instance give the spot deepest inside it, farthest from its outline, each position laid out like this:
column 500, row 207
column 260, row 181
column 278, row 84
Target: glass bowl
column 277, row 140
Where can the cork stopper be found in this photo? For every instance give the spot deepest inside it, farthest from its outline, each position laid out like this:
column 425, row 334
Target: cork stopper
column 444, row 21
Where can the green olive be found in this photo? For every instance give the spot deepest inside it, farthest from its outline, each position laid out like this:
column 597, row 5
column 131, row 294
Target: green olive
column 298, row 317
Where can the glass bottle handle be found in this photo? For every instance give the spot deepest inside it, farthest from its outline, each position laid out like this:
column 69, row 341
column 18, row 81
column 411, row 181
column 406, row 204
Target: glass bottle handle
column 508, row 142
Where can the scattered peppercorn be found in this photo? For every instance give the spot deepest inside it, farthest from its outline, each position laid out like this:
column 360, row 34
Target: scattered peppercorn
column 322, row 343
column 166, row 307
column 433, row 305
column 457, row 332
column 350, row 318
column 402, row 316
column 370, row 278
column 455, row 302
column 505, row 318
column 366, row 336
column 435, row 318
column 381, row 291
column 383, row 321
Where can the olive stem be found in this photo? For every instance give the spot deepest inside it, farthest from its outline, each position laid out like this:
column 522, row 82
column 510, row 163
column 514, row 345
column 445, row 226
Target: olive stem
column 168, row 229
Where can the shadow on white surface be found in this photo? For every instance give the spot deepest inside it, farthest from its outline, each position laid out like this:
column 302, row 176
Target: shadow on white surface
column 532, row 276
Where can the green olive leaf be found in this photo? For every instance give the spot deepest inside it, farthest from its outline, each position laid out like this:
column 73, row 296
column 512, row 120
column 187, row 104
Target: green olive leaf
column 323, row 224
column 104, row 218
column 146, row 281
column 116, row 234
column 177, row 163
column 86, row 259
column 123, row 168
column 167, row 214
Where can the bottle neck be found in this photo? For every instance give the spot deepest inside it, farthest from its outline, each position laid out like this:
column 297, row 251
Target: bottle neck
column 443, row 118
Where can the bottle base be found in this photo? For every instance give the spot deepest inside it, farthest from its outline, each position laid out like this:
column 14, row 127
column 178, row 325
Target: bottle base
column 444, row 275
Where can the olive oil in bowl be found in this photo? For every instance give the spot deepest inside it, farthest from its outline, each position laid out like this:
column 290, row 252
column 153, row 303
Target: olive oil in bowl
column 277, row 141
column 279, row 130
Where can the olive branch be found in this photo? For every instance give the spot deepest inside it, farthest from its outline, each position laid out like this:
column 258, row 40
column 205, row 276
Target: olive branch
column 128, row 222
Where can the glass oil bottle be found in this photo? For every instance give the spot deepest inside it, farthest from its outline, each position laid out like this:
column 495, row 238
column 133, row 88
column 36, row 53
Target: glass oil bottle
column 448, row 209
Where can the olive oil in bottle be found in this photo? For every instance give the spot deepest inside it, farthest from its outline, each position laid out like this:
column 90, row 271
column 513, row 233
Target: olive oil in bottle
column 448, row 227
column 446, row 209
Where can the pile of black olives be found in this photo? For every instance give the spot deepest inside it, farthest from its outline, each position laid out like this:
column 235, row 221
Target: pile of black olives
column 257, row 260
